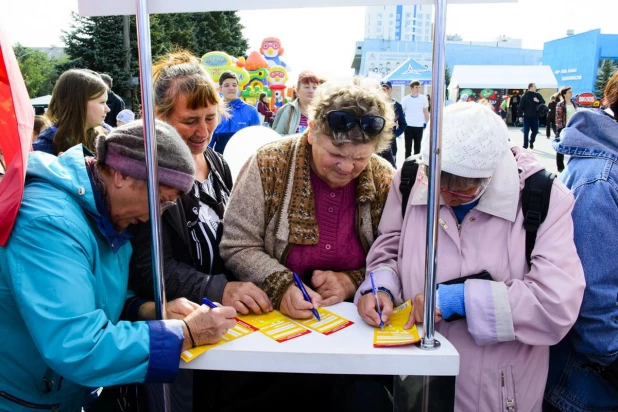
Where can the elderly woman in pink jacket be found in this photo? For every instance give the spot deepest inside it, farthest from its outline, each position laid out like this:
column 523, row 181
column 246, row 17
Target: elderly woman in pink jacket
column 513, row 314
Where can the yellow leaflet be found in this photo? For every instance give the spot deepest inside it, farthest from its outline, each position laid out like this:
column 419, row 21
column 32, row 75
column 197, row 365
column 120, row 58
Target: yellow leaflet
column 241, row 329
column 394, row 334
column 276, row 326
column 329, row 323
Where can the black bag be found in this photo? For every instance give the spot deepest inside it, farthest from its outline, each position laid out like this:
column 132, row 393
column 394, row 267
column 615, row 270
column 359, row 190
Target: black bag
column 535, row 199
column 542, row 110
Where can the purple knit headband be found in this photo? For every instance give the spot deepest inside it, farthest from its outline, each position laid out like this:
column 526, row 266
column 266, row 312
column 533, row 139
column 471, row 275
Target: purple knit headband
column 137, row 169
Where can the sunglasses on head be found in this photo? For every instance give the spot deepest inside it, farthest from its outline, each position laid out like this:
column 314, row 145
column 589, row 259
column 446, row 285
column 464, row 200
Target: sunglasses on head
column 340, row 121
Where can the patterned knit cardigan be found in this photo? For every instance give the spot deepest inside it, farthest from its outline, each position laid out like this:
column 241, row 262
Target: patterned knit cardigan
column 271, row 208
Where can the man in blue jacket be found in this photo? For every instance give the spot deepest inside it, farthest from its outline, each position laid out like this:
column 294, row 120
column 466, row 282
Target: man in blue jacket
column 583, row 367
column 390, row 154
column 64, row 274
column 240, row 114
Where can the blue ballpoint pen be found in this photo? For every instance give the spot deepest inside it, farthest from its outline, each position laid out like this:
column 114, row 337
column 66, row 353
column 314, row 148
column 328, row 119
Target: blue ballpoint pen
column 299, row 283
column 209, row 303
column 375, row 294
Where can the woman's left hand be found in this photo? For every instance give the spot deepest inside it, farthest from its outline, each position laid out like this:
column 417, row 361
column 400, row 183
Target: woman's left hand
column 334, row 287
column 180, row 308
column 418, row 309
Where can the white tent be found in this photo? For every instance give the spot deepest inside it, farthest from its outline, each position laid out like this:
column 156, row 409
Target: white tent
column 502, row 77
column 115, row 7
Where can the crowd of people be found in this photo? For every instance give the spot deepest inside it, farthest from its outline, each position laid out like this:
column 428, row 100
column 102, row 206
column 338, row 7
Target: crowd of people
column 532, row 314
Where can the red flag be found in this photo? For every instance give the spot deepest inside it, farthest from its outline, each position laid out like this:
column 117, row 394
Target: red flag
column 16, row 123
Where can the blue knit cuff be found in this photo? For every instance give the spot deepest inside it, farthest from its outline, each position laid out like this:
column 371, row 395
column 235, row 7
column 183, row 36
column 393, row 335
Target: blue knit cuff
column 451, row 300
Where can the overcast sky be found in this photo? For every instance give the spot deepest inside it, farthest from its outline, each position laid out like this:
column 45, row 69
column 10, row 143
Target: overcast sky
column 323, row 39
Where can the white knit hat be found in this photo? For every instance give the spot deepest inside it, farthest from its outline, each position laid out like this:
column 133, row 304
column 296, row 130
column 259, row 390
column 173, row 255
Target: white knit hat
column 474, row 140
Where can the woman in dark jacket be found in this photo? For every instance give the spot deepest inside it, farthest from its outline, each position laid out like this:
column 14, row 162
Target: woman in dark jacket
column 186, row 97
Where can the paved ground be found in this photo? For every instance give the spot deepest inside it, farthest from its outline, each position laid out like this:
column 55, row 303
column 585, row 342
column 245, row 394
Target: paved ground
column 542, row 148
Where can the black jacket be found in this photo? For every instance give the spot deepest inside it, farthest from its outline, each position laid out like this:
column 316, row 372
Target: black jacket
column 116, row 105
column 528, row 107
column 182, row 279
column 552, row 111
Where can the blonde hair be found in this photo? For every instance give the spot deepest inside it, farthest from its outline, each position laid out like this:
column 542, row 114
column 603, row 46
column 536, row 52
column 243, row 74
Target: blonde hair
column 180, row 73
column 359, row 98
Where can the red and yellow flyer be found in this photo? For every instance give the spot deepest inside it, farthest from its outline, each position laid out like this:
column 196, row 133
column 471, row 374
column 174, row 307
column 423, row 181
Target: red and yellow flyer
column 329, row 323
column 394, row 334
column 276, row 326
column 241, row 329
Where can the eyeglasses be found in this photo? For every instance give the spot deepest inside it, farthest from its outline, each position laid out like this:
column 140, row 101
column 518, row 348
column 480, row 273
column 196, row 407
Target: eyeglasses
column 452, row 193
column 340, row 121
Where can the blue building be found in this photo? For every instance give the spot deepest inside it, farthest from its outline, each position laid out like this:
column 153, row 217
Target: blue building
column 575, row 59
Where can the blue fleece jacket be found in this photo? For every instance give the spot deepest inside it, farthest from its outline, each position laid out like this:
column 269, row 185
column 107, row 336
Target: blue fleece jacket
column 63, row 286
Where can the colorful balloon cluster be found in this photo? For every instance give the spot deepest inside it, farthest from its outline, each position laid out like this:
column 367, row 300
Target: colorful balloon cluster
column 261, row 72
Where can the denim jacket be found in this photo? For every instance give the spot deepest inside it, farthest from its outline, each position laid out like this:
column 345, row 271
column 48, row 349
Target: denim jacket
column 591, row 139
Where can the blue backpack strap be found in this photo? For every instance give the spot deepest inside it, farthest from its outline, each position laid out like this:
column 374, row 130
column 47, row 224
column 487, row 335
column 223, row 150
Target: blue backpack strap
column 408, row 177
column 534, row 204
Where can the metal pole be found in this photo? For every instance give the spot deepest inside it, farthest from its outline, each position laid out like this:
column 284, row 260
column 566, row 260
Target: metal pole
column 145, row 62
column 433, row 198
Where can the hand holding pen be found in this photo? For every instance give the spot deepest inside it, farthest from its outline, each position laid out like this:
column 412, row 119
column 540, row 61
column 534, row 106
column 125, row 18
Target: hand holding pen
column 296, row 304
column 375, row 295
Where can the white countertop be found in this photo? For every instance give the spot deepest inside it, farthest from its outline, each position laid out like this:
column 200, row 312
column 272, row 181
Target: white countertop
column 348, row 351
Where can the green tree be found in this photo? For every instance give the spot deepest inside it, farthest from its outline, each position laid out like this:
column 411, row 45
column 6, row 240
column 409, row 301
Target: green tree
column 447, row 75
column 604, row 73
column 96, row 43
column 38, row 70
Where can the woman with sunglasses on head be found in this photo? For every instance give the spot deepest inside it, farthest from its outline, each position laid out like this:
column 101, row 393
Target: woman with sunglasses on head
column 310, row 204
column 502, row 311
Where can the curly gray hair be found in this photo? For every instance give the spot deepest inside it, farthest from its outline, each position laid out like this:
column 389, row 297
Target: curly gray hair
column 359, row 98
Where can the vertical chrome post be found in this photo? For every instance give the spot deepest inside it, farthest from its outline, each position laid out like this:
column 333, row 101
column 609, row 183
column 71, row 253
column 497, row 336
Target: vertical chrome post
column 150, row 144
column 433, row 199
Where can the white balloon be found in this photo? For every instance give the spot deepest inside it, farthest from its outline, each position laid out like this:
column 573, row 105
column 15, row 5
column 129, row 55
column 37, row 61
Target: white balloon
column 244, row 144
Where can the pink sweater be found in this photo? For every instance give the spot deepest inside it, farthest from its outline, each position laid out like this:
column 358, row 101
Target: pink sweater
column 338, row 247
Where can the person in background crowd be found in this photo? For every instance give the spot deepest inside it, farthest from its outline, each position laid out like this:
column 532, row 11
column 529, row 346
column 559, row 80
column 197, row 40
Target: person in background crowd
column 186, row 98
column 565, row 108
column 583, row 367
column 551, row 117
column 415, row 106
column 520, row 308
column 514, row 104
column 310, row 204
column 240, row 114
column 390, row 154
column 64, row 273
column 263, row 108
column 114, row 102
column 504, row 107
column 40, row 124
column 125, row 116
column 292, row 117
column 528, row 114
column 77, row 108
